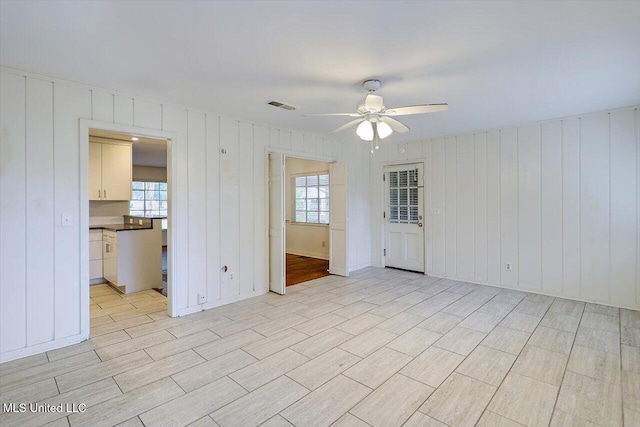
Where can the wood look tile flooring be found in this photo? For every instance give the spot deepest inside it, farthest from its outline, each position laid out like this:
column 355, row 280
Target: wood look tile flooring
column 380, row 348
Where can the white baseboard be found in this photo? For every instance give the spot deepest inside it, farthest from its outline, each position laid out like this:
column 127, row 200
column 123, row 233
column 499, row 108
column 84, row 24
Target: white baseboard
column 536, row 291
column 41, row 348
column 218, row 303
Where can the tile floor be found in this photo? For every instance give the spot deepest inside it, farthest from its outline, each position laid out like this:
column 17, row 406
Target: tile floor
column 381, row 348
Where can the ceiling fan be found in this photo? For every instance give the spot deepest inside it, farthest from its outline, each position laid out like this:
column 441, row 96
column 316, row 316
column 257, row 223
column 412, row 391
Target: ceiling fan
column 375, row 121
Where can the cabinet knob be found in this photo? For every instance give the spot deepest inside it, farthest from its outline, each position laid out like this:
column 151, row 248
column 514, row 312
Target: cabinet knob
column 105, row 194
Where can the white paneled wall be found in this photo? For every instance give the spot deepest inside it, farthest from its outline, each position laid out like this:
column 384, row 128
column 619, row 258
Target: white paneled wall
column 221, row 203
column 557, row 200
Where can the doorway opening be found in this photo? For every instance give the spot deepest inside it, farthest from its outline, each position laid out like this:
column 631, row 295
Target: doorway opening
column 307, row 220
column 403, row 217
column 129, row 250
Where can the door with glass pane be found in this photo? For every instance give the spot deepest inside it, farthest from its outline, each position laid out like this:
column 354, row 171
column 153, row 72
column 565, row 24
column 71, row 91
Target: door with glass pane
column 404, row 226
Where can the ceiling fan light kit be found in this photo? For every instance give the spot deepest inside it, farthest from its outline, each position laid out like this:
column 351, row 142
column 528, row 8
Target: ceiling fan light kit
column 375, row 121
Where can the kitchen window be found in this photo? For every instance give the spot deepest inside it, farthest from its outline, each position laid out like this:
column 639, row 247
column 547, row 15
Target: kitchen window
column 311, row 199
column 149, row 199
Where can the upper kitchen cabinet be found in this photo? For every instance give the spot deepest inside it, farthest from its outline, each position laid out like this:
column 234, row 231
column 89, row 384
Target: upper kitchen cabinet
column 109, row 171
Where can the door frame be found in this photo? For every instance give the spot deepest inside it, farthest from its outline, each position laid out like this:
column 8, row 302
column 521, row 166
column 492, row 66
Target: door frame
column 173, row 287
column 383, row 200
column 297, row 155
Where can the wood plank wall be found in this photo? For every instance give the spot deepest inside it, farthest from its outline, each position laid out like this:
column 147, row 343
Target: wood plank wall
column 221, row 202
column 558, row 200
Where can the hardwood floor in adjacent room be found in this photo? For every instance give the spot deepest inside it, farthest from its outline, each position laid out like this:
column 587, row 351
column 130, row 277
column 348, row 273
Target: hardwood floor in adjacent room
column 302, row 269
column 379, row 348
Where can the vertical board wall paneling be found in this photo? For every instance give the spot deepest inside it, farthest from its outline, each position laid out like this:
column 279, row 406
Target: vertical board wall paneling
column 229, row 204
column 123, row 110
column 465, row 210
column 558, row 200
column 285, row 140
column 480, row 207
column 212, row 191
column 102, row 106
column 39, row 210
column 428, row 204
column 351, row 159
column 176, row 120
column 274, row 138
column 571, row 207
column 624, row 214
column 494, row 251
column 319, row 146
column 437, row 220
column 69, row 103
column 638, row 205
column 308, row 143
column 594, row 206
column 449, row 211
column 362, row 218
column 40, row 169
column 13, row 213
column 551, row 206
column 297, row 142
column 260, row 142
column 147, row 114
column 529, row 215
column 509, row 206
column 245, row 178
column 197, row 196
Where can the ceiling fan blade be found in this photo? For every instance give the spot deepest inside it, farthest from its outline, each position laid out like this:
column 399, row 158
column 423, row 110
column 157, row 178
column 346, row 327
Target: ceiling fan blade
column 394, row 124
column 373, row 102
column 333, row 114
column 348, row 125
column 416, row 109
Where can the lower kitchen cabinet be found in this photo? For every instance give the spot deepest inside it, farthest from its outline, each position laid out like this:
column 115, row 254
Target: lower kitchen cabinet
column 132, row 259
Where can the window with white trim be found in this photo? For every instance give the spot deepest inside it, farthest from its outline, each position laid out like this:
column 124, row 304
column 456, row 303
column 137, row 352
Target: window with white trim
column 311, row 198
column 149, row 199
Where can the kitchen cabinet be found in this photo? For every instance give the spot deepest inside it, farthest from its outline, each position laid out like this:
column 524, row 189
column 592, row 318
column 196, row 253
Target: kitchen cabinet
column 110, row 171
column 95, row 255
column 132, row 259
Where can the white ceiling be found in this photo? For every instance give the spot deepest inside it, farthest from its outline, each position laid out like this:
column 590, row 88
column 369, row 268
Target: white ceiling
column 496, row 63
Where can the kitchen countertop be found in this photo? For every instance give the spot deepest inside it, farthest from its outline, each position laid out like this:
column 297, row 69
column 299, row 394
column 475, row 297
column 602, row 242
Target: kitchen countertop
column 119, row 227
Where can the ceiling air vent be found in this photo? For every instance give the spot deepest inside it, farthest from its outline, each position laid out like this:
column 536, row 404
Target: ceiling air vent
column 282, row 105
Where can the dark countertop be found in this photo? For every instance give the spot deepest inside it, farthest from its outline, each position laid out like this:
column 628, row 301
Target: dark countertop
column 119, row 227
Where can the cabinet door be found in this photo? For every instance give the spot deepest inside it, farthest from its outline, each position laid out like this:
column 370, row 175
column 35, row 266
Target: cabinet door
column 95, row 171
column 116, row 172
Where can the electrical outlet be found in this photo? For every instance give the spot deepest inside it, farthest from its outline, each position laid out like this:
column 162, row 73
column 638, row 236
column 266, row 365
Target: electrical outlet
column 508, row 266
column 202, row 298
column 230, row 276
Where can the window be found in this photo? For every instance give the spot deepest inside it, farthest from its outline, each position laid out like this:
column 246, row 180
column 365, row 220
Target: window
column 149, row 199
column 403, row 197
column 311, row 204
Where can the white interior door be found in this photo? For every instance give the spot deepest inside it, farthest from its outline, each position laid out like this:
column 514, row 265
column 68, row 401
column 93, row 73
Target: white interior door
column 338, row 219
column 277, row 267
column 404, row 226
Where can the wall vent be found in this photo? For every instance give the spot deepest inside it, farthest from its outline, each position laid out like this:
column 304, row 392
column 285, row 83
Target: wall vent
column 281, row 105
